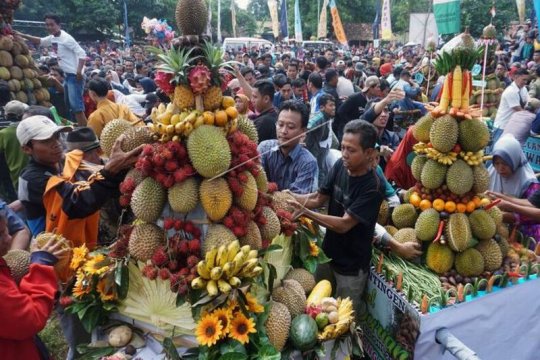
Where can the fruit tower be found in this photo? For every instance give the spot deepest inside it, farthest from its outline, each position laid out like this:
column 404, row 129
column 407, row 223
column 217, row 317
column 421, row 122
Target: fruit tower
column 446, row 209
column 17, row 66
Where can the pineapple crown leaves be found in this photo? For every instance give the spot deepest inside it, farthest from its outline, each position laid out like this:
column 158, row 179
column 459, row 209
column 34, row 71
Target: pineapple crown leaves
column 175, row 62
column 214, row 58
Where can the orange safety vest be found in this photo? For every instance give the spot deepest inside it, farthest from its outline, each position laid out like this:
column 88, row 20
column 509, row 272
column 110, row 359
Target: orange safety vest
column 77, row 231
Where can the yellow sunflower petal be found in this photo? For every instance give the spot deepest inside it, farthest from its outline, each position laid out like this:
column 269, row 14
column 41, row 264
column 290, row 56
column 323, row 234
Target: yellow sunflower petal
column 253, row 305
column 241, row 327
column 224, row 315
column 208, row 330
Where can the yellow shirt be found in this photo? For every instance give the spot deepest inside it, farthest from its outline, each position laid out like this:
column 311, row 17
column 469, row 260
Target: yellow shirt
column 107, row 111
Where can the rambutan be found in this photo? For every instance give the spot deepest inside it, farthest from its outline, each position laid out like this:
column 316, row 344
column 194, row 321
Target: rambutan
column 180, row 175
column 178, row 224
column 127, row 186
column 195, row 247
column 183, row 247
column 168, row 181
column 158, row 160
column 189, row 227
column 147, row 150
column 171, row 165
column 192, row 261
column 172, row 266
column 124, row 200
column 164, row 274
column 228, row 222
column 183, row 290
column 243, row 178
column 149, row 271
column 166, row 154
column 168, row 223
column 193, row 271
column 159, row 258
column 190, row 278
column 239, row 231
column 272, row 187
column 184, row 271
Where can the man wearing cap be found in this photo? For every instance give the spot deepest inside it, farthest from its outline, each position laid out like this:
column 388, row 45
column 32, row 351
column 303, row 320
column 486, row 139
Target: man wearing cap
column 10, row 150
column 39, row 138
column 386, row 69
column 71, row 58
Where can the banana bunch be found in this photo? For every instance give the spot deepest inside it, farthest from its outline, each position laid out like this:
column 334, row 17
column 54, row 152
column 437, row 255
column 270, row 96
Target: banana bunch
column 446, row 159
column 345, row 318
column 224, row 268
column 472, row 158
column 420, row 148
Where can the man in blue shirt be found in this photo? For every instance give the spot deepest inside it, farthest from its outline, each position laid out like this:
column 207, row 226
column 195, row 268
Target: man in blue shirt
column 20, row 235
column 285, row 161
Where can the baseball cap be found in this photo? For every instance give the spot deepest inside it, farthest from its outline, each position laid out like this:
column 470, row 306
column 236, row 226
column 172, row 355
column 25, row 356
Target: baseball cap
column 38, row 127
column 83, row 138
column 356, row 58
column 386, row 69
column 340, row 63
column 370, row 82
column 358, row 67
column 15, row 107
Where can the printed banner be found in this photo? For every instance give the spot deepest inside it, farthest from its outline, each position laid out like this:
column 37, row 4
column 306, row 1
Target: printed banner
column 283, row 20
column 336, row 23
column 272, row 6
column 386, row 21
column 219, row 20
column 447, row 16
column 521, row 10
column 297, row 22
column 321, row 30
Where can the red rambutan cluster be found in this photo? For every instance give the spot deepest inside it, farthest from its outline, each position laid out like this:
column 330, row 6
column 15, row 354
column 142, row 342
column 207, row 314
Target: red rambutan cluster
column 244, row 151
column 119, row 249
column 288, row 226
column 167, row 163
column 237, row 220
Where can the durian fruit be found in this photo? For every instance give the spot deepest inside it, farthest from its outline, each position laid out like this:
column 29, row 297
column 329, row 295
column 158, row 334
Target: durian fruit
column 384, row 213
column 18, row 262
column 279, row 201
column 148, row 200
column 278, row 324
column 262, row 180
column 405, row 235
column 422, row 128
column 248, row 199
column 480, row 179
column 444, row 133
column 246, row 126
column 191, row 16
column 417, row 166
column 404, row 216
column 433, row 174
column 503, row 245
column 272, row 228
column 469, row 263
column 216, row 236
column 209, row 151
column 44, row 237
column 253, row 236
column 391, row 229
column 473, row 135
column 496, row 214
column 136, row 136
column 292, row 295
column 216, row 198
column 427, row 225
column 439, row 258
column 482, row 225
column 183, row 197
column 492, row 254
column 144, row 240
column 304, row 278
column 459, row 177
column 489, row 32
column 112, row 131
column 458, row 232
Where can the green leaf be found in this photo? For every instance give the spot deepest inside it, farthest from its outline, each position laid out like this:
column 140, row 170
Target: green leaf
column 124, row 280
column 304, row 246
column 268, row 352
column 270, row 248
column 88, row 353
column 180, row 300
column 271, row 277
column 310, row 264
column 322, row 258
column 232, row 346
column 91, row 318
column 170, row 350
column 233, row 356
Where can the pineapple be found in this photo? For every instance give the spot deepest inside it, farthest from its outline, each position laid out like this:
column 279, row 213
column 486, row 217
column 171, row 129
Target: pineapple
column 213, row 98
column 183, row 97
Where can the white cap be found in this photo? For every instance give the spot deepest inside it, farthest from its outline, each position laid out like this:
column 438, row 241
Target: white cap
column 38, row 127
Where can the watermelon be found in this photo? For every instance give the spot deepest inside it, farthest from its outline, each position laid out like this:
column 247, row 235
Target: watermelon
column 303, row 332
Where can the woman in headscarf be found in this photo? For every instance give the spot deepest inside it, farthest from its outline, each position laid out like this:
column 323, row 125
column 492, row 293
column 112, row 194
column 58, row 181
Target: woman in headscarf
column 242, row 105
column 511, row 175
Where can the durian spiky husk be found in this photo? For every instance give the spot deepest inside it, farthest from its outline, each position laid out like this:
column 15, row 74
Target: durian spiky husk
column 153, row 302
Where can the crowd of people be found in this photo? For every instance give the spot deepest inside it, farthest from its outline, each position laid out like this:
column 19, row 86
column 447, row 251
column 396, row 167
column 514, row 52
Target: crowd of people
column 306, row 107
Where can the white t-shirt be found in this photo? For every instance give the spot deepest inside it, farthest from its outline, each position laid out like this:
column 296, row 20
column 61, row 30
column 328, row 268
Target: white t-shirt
column 510, row 98
column 67, row 50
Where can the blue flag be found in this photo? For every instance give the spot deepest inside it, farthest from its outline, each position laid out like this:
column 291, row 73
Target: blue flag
column 283, row 21
column 537, row 9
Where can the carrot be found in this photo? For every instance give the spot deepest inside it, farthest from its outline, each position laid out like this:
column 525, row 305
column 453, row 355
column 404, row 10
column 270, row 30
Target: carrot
column 457, row 84
column 380, row 263
column 492, row 204
column 439, row 231
column 424, row 307
column 399, row 281
column 460, row 293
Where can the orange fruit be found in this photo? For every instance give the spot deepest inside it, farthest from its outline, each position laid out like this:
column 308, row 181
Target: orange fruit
column 425, row 204
column 471, row 206
column 438, row 204
column 227, row 102
column 476, row 200
column 231, row 112
column 209, row 117
column 450, row 206
column 415, row 199
column 461, row 208
column 221, row 118
column 485, row 201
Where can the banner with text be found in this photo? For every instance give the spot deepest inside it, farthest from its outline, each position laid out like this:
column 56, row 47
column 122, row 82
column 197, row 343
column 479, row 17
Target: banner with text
column 447, row 16
column 386, row 21
column 336, row 23
column 272, row 6
column 321, row 29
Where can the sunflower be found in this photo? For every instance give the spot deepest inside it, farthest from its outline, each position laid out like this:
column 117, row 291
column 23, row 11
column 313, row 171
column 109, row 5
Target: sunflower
column 82, row 285
column 208, row 330
column 241, row 327
column 106, row 289
column 253, row 305
column 233, row 305
column 97, row 265
column 313, row 249
column 79, row 256
column 307, row 222
column 224, row 315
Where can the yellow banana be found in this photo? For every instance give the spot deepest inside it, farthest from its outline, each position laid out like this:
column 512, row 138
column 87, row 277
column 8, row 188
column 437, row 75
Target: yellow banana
column 216, row 273
column 257, row 270
column 248, row 266
column 221, row 257
column 232, row 249
column 202, row 270
column 224, row 286
column 239, row 260
column 210, row 258
column 188, row 128
column 198, row 283
column 253, row 254
column 235, row 282
column 246, row 249
column 228, row 269
column 212, row 288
